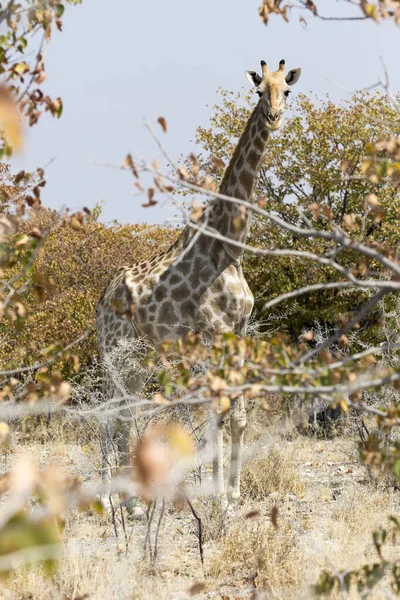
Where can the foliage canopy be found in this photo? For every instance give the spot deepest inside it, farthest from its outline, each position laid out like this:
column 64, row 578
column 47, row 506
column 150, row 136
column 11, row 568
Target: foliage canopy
column 317, row 166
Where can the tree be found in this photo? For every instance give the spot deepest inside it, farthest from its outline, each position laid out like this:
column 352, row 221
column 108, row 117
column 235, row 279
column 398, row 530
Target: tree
column 350, row 10
column 60, row 291
column 22, row 63
column 316, row 165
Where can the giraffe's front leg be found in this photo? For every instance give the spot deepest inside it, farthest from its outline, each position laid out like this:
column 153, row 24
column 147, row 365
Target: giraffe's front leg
column 238, row 425
column 123, row 434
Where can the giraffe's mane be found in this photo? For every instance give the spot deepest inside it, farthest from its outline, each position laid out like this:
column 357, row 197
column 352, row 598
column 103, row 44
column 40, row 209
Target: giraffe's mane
column 238, row 151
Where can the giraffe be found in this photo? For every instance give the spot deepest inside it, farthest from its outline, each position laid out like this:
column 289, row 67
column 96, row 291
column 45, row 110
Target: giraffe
column 198, row 284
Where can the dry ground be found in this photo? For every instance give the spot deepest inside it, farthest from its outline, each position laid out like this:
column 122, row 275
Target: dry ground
column 327, row 509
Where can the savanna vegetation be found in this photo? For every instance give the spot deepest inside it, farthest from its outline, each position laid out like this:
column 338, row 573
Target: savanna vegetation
column 319, row 512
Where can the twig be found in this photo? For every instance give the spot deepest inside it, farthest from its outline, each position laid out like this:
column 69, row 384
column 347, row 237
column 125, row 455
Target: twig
column 150, row 516
column 158, row 532
column 200, row 525
column 113, row 516
column 346, row 327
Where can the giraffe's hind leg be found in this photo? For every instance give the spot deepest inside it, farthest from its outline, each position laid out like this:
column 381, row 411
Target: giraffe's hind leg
column 238, row 425
column 122, row 381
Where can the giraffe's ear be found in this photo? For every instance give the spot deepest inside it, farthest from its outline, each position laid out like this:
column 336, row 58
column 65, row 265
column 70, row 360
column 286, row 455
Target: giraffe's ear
column 254, row 78
column 293, row 76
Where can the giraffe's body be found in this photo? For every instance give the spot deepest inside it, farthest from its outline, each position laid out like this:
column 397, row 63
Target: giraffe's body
column 204, row 291
column 198, row 284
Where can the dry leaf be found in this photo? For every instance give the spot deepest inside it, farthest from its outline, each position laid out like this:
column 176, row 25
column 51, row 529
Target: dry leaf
column 183, row 174
column 274, row 516
column 75, row 224
column 252, row 514
column 159, row 399
column 372, row 200
column 197, row 211
column 315, row 209
column 195, row 164
column 217, row 384
column 217, row 163
column 150, row 195
column 163, row 123
column 262, row 202
column 64, row 391
column 350, row 220
column 128, row 162
column 312, row 7
column 307, row 336
column 197, row 588
column 327, row 211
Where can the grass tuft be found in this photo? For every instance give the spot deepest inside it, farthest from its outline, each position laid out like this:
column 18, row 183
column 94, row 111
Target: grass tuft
column 274, row 472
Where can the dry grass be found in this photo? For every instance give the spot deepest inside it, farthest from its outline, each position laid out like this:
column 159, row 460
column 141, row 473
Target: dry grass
column 275, row 472
column 46, row 430
column 257, row 550
column 357, row 515
column 264, row 413
column 214, row 516
column 327, row 507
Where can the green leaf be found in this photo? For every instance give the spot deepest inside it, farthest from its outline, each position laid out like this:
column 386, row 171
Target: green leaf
column 396, row 468
column 21, row 532
column 59, row 107
column 59, row 11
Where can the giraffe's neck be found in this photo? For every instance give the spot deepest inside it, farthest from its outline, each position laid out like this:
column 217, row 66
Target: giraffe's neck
column 228, row 218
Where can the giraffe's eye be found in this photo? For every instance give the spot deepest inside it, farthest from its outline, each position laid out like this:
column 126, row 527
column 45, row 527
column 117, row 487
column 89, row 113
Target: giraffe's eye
column 287, row 92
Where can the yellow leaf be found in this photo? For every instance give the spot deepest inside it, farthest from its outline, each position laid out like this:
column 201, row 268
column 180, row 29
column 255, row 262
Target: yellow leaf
column 22, row 240
column 370, row 10
column 365, row 166
column 225, row 403
column 21, row 68
column 10, row 118
column 4, row 434
column 180, row 440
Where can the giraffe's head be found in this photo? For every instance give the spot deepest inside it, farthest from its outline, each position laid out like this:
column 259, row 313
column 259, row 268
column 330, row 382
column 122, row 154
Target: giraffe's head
column 273, row 87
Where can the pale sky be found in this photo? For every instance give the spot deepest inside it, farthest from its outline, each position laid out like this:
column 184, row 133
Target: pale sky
column 119, row 62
